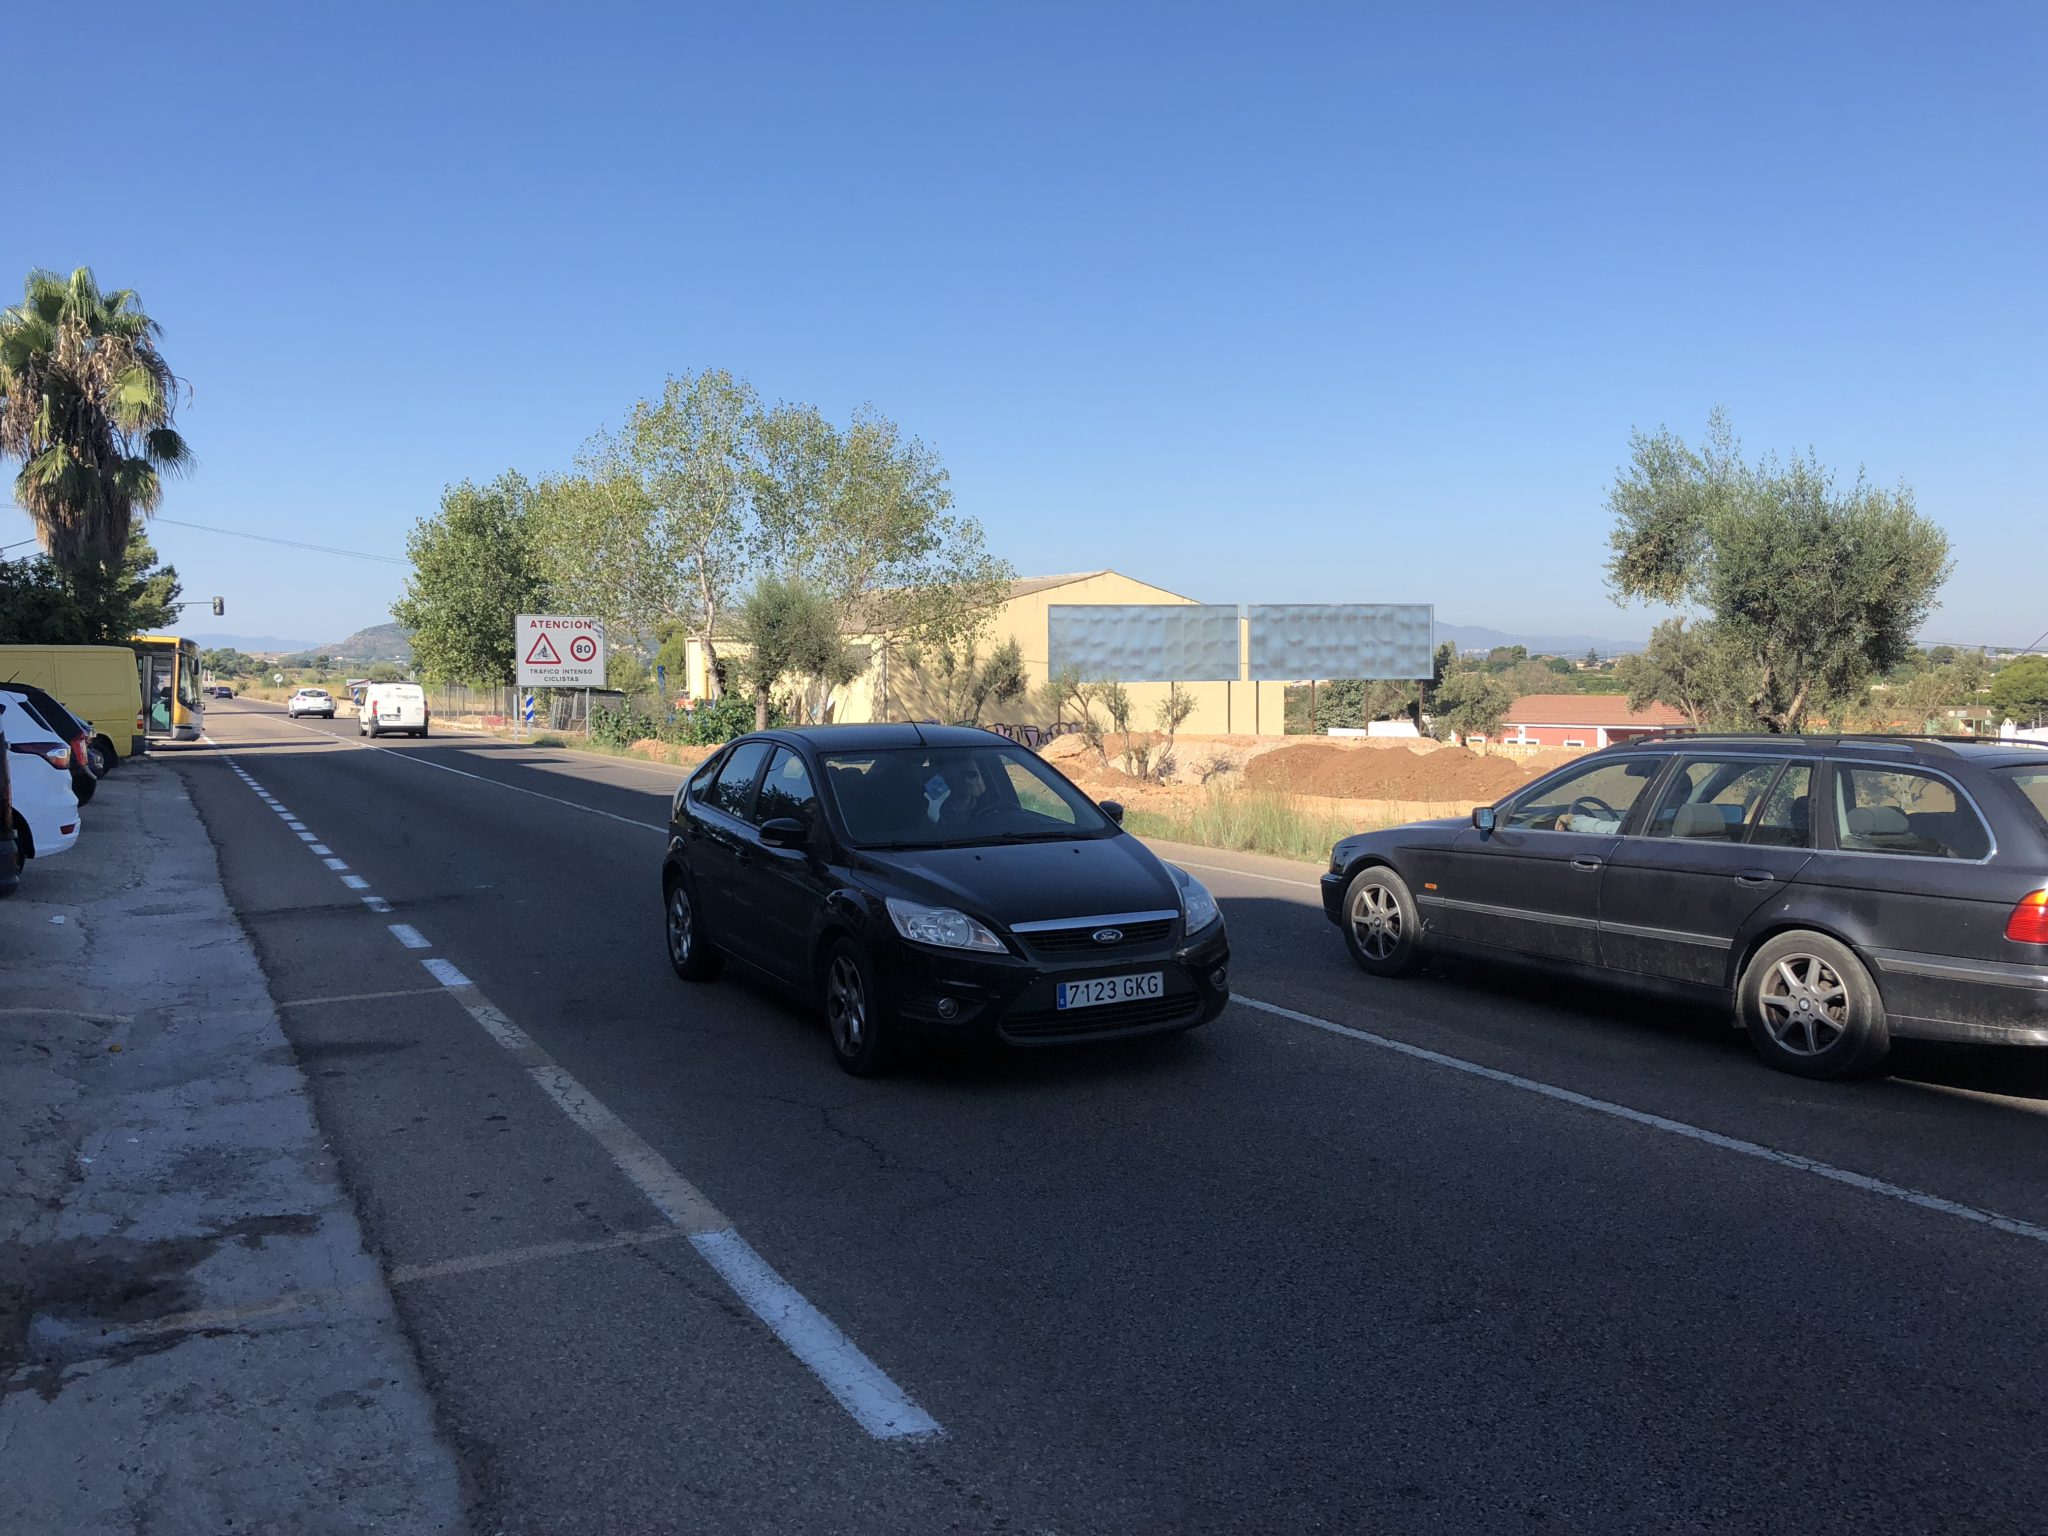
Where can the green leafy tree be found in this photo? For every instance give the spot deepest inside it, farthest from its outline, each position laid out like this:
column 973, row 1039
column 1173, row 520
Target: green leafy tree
column 1810, row 591
column 792, row 633
column 89, row 602
column 1683, row 669
column 969, row 683
column 1470, row 702
column 474, row 570
column 2019, row 691
column 86, row 406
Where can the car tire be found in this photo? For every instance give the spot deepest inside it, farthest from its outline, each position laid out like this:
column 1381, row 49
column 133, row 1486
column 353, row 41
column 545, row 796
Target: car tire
column 24, row 844
column 863, row 1040
column 1811, row 1008
column 421, row 733
column 83, row 787
column 371, row 731
column 690, row 952
column 1381, row 926
column 104, row 758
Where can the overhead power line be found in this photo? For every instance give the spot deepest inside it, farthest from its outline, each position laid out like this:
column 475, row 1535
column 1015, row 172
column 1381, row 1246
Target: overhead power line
column 239, row 533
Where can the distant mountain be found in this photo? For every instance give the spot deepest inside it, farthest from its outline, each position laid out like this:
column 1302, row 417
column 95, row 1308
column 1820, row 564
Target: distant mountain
column 1477, row 637
column 380, row 642
column 253, row 645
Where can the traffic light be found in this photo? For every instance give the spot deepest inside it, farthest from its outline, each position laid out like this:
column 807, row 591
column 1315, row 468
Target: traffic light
column 219, row 607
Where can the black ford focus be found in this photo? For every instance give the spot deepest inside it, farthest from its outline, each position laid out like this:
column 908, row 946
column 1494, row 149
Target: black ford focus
column 937, row 880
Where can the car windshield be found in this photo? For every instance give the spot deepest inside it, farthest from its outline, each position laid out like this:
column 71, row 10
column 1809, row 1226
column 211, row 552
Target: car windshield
column 957, row 797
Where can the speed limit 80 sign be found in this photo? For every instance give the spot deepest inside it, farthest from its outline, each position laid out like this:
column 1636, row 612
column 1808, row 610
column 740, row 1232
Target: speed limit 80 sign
column 558, row 651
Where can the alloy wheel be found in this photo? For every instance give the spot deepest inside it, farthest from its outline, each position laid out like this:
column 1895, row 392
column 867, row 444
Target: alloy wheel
column 1376, row 921
column 682, row 926
column 846, row 1005
column 1805, row 1004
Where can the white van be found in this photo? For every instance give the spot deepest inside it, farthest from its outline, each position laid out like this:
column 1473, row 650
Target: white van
column 393, row 707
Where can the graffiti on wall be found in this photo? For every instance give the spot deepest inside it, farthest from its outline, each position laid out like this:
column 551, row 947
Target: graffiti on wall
column 1036, row 736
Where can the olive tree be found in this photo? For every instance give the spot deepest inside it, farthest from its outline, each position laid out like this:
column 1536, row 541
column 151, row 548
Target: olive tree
column 1808, row 590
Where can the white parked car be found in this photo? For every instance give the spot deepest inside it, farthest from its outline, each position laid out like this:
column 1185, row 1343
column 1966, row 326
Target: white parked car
column 393, row 707
column 46, row 817
column 310, row 701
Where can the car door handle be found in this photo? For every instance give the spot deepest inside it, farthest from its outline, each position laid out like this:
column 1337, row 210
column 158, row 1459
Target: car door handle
column 1584, row 862
column 1756, row 877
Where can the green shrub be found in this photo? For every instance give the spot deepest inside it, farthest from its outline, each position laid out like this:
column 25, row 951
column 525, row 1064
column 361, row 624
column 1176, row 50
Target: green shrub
column 621, row 727
column 550, row 741
column 717, row 721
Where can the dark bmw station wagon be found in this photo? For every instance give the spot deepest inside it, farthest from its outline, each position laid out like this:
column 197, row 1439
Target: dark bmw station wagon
column 1841, row 891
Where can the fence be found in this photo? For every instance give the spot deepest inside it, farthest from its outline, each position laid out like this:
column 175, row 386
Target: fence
column 554, row 709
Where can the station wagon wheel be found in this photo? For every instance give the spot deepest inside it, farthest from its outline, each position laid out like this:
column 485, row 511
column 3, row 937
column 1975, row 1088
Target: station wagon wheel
column 1381, row 927
column 1812, row 1009
column 689, row 951
column 861, row 1042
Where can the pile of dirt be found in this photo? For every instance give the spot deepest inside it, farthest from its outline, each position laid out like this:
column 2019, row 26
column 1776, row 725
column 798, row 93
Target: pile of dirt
column 1439, row 772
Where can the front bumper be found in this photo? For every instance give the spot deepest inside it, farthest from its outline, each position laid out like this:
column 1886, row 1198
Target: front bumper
column 1333, row 896
column 1015, row 1000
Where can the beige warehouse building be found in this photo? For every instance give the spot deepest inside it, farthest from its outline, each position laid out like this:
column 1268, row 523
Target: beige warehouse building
column 893, row 688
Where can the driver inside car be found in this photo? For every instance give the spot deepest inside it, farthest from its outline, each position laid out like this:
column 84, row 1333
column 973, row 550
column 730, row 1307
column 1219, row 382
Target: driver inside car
column 954, row 794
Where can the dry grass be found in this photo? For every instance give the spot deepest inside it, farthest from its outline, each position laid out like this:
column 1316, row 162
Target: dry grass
column 1251, row 821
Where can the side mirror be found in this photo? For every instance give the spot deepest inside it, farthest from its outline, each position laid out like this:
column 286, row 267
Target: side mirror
column 784, row 832
column 1483, row 818
column 1114, row 811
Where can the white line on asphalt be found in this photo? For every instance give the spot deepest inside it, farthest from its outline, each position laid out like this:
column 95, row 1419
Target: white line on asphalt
column 881, row 1407
column 320, row 848
column 309, row 837
column 406, row 1274
column 355, row 882
column 1793, row 1160
column 296, row 825
column 376, row 903
column 444, row 972
column 413, row 757
column 409, row 936
column 860, row 1386
column 335, row 864
column 1248, row 874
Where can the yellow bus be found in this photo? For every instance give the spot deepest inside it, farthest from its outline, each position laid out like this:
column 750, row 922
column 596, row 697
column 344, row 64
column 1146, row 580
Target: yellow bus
column 173, row 708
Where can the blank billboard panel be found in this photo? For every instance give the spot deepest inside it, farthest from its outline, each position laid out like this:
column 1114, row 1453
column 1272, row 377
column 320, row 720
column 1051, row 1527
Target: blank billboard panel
column 1301, row 642
column 1145, row 642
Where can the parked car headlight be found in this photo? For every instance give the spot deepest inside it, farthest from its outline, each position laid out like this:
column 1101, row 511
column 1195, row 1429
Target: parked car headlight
column 1196, row 904
column 941, row 926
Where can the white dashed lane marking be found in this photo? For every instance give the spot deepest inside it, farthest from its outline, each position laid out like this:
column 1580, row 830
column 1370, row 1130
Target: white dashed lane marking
column 444, row 971
column 409, row 936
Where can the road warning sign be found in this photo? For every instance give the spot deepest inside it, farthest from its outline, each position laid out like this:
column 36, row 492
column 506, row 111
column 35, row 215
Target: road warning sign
column 558, row 651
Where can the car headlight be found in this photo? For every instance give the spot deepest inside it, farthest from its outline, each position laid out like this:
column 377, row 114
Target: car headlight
column 1196, row 904
column 941, row 926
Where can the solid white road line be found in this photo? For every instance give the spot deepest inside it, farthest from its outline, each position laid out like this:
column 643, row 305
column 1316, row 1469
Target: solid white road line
column 877, row 1404
column 444, row 972
column 409, row 936
column 860, row 1386
column 1246, row 874
column 1736, row 1144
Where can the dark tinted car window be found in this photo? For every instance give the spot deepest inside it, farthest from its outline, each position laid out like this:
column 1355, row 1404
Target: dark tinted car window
column 2033, row 783
column 956, row 797
column 699, row 784
column 1890, row 810
column 787, row 791
column 1712, row 798
column 736, row 778
column 1786, row 820
column 1596, row 798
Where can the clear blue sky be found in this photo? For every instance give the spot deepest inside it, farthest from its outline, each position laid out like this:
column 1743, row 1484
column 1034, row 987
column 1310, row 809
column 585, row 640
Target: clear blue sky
column 1261, row 303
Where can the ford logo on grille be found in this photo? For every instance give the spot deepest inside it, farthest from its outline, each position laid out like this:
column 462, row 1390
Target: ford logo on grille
column 1108, row 935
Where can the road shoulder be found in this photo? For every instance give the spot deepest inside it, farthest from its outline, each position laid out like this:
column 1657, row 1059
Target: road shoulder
column 192, row 1334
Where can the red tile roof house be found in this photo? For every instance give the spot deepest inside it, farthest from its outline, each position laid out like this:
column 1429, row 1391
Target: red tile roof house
column 1588, row 720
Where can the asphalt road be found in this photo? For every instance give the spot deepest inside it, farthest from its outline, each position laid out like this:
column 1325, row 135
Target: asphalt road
column 1509, row 1254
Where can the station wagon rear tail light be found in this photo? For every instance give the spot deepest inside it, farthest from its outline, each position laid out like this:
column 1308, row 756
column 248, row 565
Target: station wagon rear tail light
column 2029, row 921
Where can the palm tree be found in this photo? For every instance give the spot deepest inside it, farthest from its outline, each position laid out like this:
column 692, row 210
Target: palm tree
column 86, row 402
